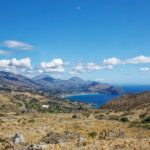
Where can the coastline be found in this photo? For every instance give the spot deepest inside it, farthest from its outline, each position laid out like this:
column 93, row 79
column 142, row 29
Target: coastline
column 77, row 94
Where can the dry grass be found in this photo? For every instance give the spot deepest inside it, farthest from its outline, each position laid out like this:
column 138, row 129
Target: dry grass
column 35, row 126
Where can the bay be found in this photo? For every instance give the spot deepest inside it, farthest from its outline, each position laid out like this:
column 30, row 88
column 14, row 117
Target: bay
column 100, row 99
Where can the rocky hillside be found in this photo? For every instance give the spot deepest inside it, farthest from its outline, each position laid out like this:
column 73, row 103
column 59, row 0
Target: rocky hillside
column 25, row 102
column 16, row 82
column 129, row 102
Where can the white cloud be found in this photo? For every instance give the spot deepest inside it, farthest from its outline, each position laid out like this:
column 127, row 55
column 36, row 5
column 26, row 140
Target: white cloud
column 17, row 45
column 92, row 66
column 89, row 67
column 12, row 63
column 24, row 62
column 112, row 61
column 4, row 63
column 79, row 68
column 145, row 69
column 54, row 66
column 138, row 60
column 4, row 52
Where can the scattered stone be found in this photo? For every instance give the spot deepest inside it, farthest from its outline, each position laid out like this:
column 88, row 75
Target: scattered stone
column 59, row 138
column 33, row 147
column 18, row 139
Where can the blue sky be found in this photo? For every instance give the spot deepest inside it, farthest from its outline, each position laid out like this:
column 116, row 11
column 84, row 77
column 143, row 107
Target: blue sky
column 105, row 40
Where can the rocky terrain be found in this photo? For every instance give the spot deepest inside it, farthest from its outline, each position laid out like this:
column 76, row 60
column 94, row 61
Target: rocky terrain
column 14, row 82
column 129, row 102
column 29, row 122
column 26, row 102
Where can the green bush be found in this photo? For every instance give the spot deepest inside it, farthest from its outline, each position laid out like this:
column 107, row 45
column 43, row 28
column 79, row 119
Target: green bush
column 142, row 115
column 146, row 126
column 92, row 134
column 124, row 119
column 146, row 119
column 135, row 124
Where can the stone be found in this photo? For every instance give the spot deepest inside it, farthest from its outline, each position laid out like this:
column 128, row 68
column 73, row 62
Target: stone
column 18, row 139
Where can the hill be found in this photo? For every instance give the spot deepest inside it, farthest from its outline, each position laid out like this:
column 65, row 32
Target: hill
column 129, row 102
column 16, row 82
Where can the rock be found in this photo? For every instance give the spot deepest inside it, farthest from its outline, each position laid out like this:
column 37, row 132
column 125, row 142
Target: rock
column 81, row 141
column 59, row 138
column 18, row 139
column 34, row 147
column 53, row 138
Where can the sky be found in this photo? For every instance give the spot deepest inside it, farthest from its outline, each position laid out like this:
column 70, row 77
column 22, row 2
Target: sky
column 103, row 40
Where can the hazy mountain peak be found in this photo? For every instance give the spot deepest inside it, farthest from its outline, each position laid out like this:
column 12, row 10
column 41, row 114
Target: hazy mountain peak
column 75, row 79
column 42, row 76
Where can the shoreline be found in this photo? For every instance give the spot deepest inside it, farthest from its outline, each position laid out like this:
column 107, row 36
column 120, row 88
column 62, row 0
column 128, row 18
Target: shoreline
column 77, row 94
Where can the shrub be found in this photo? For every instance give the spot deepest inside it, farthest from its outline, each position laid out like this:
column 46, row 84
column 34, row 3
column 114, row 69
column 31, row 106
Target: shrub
column 100, row 117
column 114, row 117
column 31, row 120
column 146, row 126
column 146, row 119
column 142, row 115
column 124, row 119
column 92, row 134
column 76, row 116
column 135, row 124
column 86, row 114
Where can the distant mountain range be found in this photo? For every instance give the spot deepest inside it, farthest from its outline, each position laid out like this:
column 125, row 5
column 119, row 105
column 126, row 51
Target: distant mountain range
column 45, row 83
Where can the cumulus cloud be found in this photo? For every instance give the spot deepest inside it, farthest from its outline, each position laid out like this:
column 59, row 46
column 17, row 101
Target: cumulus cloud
column 89, row 67
column 4, row 63
column 21, row 63
column 24, row 62
column 92, row 66
column 79, row 68
column 54, row 66
column 17, row 45
column 145, row 69
column 138, row 60
column 141, row 59
column 112, row 61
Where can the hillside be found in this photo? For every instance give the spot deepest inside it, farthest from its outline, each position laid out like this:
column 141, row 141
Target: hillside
column 129, row 102
column 30, row 121
column 25, row 102
column 16, row 82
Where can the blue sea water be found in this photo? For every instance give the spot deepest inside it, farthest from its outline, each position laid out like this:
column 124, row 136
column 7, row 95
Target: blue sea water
column 100, row 99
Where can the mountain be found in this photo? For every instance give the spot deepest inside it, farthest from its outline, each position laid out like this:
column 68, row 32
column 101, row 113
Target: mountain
column 16, row 82
column 129, row 102
column 76, row 85
column 41, row 76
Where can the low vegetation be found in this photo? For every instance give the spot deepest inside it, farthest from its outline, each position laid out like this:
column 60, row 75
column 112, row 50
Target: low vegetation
column 38, row 122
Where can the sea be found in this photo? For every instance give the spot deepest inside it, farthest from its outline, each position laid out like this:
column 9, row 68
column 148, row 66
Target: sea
column 99, row 99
